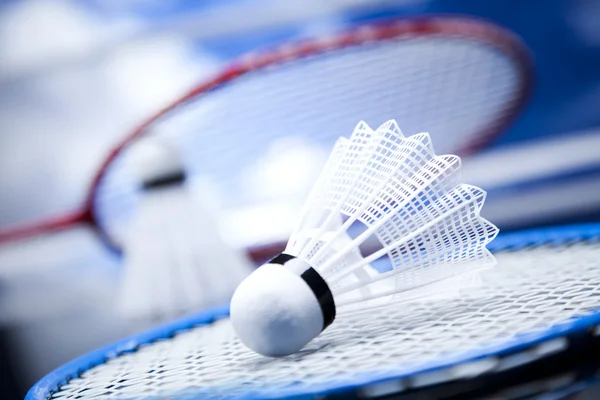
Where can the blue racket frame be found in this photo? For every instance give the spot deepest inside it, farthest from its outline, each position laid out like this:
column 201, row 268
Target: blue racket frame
column 52, row 382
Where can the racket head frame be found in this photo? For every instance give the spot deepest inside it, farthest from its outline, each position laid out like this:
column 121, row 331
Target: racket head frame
column 571, row 332
column 481, row 30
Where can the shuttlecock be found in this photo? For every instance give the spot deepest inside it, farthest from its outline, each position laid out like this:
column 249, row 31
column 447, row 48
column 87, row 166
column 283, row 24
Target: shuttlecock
column 388, row 220
column 175, row 260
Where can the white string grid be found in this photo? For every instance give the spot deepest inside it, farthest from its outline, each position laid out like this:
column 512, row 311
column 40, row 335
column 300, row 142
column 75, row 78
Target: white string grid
column 531, row 290
column 175, row 261
column 453, row 85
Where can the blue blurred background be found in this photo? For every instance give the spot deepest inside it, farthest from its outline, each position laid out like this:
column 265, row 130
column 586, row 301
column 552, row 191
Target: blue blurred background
column 76, row 75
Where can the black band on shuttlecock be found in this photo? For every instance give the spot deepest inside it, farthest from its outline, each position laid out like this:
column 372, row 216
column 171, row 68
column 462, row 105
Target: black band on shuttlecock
column 320, row 288
column 165, row 180
column 281, row 259
column 317, row 284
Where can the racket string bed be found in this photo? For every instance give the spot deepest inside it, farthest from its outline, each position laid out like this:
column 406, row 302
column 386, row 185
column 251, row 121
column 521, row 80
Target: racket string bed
column 374, row 80
column 536, row 291
column 463, row 78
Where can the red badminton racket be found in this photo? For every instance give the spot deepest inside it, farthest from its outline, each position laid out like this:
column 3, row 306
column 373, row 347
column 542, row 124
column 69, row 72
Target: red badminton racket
column 461, row 79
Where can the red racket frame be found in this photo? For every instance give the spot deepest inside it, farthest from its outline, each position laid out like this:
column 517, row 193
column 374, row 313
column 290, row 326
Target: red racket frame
column 483, row 31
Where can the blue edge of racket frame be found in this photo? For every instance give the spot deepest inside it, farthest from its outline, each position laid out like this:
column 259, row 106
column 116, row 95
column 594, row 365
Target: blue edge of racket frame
column 52, row 382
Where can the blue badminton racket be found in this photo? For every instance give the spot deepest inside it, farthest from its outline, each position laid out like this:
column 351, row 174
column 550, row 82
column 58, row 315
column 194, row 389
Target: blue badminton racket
column 542, row 300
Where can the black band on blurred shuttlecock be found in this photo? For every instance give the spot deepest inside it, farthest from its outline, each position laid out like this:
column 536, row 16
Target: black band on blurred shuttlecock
column 281, row 259
column 165, row 180
column 317, row 284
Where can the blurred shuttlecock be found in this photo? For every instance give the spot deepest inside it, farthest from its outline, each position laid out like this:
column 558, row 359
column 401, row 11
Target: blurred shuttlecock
column 388, row 220
column 175, row 260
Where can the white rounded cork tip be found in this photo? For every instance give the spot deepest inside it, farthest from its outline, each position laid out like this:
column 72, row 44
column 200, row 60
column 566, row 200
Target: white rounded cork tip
column 274, row 312
column 152, row 158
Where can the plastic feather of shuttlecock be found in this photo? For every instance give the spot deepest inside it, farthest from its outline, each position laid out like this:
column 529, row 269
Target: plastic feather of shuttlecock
column 175, row 260
column 400, row 203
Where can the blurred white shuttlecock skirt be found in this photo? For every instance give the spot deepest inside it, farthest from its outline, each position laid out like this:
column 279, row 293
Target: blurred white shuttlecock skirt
column 175, row 260
column 388, row 220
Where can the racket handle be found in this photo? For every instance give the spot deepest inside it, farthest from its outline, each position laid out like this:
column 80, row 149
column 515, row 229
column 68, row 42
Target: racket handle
column 20, row 232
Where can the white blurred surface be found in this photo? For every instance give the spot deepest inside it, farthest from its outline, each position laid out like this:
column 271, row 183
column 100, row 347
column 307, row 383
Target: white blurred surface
column 539, row 181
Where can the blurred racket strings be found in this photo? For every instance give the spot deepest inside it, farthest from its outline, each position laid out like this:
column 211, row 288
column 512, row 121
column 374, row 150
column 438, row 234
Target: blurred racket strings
column 252, row 128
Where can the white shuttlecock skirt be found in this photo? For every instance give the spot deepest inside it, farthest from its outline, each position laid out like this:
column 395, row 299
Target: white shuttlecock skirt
column 175, row 259
column 380, row 187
